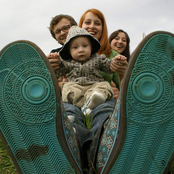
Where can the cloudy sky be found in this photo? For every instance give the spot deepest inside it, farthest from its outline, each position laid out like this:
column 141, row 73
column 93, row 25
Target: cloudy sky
column 29, row 19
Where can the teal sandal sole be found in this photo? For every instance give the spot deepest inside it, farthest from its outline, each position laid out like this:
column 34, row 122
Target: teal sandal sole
column 31, row 115
column 144, row 139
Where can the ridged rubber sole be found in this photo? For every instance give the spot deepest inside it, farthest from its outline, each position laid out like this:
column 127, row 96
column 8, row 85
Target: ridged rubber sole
column 144, row 142
column 31, row 115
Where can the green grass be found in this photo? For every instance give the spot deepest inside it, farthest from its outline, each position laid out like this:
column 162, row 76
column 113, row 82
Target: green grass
column 88, row 121
column 6, row 164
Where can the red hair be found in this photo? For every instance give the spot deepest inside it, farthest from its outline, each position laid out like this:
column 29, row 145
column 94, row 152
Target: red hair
column 105, row 46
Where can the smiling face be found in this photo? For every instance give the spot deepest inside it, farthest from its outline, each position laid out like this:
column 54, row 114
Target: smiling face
column 119, row 43
column 80, row 48
column 93, row 25
column 61, row 36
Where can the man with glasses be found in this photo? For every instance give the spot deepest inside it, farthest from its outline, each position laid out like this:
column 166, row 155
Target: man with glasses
column 59, row 27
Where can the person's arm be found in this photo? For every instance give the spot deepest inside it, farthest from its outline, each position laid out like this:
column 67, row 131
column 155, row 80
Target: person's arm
column 115, row 90
column 119, row 65
column 61, row 72
column 61, row 80
column 115, row 79
column 54, row 59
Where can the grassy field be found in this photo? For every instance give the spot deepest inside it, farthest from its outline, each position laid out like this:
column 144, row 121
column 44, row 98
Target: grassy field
column 7, row 166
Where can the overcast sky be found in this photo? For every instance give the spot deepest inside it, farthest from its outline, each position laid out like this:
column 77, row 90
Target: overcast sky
column 29, row 19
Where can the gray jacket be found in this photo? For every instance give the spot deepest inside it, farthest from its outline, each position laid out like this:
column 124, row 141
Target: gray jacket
column 86, row 72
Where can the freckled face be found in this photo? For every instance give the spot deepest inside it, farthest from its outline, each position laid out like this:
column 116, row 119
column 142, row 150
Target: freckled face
column 119, row 43
column 80, row 48
column 93, row 25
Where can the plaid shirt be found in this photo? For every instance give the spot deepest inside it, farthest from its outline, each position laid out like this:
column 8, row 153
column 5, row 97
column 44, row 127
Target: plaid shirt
column 86, row 72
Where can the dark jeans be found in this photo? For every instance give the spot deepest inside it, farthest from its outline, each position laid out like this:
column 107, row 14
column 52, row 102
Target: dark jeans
column 89, row 139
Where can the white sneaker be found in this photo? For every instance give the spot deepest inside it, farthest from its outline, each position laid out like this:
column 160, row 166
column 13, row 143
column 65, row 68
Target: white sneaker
column 74, row 130
column 85, row 110
column 94, row 100
column 71, row 118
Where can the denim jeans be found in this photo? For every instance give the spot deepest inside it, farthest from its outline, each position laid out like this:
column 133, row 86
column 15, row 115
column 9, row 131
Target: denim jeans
column 89, row 139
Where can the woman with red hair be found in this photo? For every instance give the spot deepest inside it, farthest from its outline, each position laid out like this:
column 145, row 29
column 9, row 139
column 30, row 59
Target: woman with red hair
column 85, row 22
column 94, row 22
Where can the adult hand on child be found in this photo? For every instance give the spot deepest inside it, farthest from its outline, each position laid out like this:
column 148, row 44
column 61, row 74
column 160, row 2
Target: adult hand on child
column 61, row 80
column 119, row 64
column 54, row 59
column 115, row 90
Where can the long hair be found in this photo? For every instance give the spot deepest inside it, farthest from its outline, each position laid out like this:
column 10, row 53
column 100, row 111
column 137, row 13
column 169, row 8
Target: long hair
column 104, row 42
column 126, row 52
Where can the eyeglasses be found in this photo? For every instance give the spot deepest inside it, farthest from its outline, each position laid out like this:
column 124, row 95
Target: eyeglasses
column 64, row 28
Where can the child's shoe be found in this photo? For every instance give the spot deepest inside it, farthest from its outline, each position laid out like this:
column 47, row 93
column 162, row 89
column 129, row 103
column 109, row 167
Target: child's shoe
column 33, row 124
column 94, row 100
column 139, row 138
